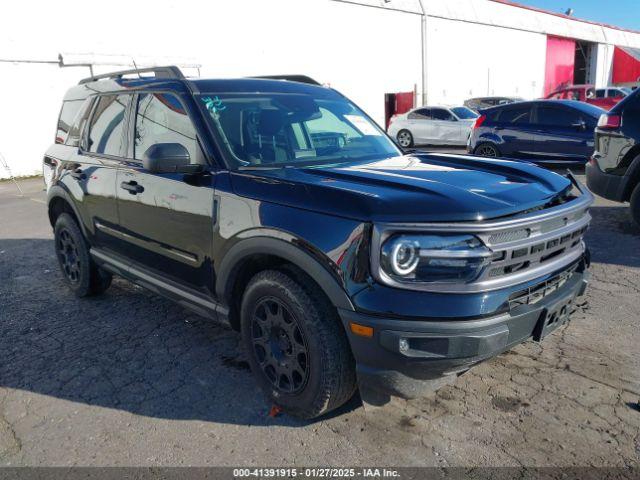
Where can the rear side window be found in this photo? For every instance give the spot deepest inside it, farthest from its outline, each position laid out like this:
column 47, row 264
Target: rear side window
column 560, row 117
column 420, row 114
column 601, row 93
column 441, row 114
column 515, row 115
column 75, row 132
column 68, row 113
column 492, row 115
column 106, row 131
column 161, row 118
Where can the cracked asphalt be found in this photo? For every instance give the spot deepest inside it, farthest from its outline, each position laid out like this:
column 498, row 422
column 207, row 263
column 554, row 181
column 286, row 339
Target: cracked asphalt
column 129, row 378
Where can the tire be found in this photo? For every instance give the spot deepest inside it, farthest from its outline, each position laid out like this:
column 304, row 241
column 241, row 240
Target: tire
column 635, row 204
column 487, row 150
column 80, row 273
column 296, row 345
column 405, row 138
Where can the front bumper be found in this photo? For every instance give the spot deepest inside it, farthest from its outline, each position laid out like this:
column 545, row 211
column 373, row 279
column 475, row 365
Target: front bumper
column 408, row 358
column 606, row 185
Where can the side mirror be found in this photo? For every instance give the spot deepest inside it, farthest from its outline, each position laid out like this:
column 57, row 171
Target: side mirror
column 167, row 158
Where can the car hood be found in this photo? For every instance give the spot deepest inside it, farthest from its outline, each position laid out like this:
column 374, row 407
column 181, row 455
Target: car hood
column 411, row 188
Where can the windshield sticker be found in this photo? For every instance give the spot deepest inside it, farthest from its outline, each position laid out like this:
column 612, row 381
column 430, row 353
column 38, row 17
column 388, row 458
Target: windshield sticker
column 214, row 105
column 363, row 125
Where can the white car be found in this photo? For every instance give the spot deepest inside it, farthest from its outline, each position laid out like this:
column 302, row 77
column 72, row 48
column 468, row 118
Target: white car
column 613, row 92
column 433, row 126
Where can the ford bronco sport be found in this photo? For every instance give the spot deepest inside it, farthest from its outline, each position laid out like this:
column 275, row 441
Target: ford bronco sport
column 278, row 206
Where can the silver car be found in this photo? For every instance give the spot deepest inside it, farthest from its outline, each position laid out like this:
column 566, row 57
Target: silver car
column 433, row 126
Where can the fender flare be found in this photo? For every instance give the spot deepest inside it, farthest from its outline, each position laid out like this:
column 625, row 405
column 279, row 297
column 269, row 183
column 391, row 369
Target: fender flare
column 281, row 248
column 56, row 191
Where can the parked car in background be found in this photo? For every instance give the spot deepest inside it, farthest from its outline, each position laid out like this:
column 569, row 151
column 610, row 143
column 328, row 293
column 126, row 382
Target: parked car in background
column 583, row 93
column 433, row 126
column 613, row 92
column 629, row 85
column 614, row 170
column 544, row 131
column 480, row 103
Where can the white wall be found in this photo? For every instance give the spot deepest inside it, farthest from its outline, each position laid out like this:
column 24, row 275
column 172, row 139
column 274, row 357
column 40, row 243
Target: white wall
column 363, row 52
column 469, row 60
column 30, row 99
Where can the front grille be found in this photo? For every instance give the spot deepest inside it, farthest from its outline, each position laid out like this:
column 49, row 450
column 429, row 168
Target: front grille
column 532, row 295
column 518, row 250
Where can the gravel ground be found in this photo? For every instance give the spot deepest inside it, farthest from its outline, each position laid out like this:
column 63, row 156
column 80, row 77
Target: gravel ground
column 132, row 379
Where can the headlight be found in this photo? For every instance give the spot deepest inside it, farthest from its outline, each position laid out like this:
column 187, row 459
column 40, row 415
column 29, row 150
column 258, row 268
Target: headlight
column 417, row 258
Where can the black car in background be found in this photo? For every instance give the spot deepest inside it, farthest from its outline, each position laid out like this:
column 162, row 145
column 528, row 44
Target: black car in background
column 614, row 170
column 479, row 103
column 541, row 131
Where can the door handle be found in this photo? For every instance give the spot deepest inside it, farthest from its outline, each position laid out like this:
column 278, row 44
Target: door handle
column 78, row 174
column 132, row 187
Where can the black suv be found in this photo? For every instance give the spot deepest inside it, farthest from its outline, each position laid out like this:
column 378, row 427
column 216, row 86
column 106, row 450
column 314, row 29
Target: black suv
column 278, row 206
column 614, row 169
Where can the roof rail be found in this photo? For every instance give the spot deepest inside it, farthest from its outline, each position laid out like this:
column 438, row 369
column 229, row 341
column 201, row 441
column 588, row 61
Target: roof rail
column 291, row 78
column 160, row 72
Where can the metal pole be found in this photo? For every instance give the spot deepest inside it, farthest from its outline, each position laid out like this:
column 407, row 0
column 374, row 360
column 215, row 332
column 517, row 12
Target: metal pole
column 423, row 41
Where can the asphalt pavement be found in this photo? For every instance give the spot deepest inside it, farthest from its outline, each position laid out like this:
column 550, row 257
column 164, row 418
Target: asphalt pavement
column 129, row 378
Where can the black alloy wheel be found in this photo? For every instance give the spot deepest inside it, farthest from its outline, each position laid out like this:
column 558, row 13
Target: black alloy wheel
column 68, row 255
column 280, row 346
column 80, row 272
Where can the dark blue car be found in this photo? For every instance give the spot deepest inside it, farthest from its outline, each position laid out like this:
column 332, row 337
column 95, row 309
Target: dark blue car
column 543, row 131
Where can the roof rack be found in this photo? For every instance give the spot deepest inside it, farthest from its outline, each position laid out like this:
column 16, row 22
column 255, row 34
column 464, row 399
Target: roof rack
column 291, row 78
column 159, row 72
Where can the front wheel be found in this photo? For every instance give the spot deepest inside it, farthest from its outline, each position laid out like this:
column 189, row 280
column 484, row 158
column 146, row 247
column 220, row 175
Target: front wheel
column 80, row 273
column 635, row 205
column 487, row 150
column 297, row 348
column 405, row 139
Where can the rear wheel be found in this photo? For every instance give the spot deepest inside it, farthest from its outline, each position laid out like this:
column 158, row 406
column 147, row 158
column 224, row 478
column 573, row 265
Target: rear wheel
column 635, row 204
column 80, row 273
column 405, row 139
column 296, row 345
column 487, row 150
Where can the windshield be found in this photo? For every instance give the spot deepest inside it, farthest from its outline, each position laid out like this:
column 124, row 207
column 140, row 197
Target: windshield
column 280, row 129
column 626, row 90
column 464, row 113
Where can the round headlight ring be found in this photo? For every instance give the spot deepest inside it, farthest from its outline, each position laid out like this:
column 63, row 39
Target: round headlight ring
column 404, row 257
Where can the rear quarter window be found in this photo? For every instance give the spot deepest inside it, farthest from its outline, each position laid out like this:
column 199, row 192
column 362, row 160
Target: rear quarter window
column 75, row 132
column 68, row 113
column 491, row 114
column 515, row 115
